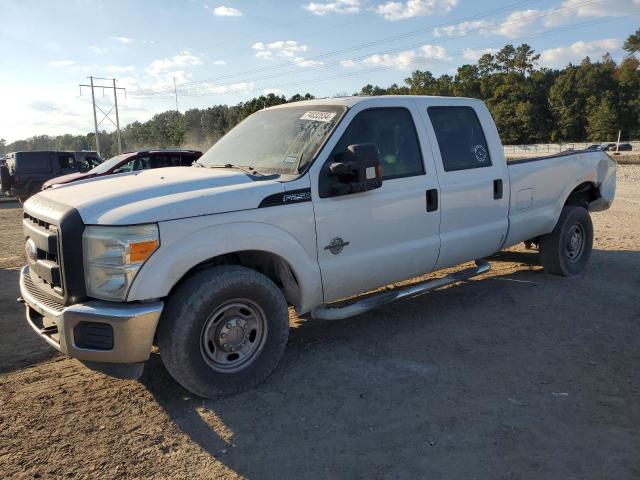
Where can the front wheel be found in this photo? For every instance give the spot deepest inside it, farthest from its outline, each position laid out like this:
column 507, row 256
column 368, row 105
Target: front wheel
column 566, row 250
column 223, row 331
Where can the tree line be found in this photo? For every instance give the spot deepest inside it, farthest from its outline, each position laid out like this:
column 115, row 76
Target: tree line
column 587, row 102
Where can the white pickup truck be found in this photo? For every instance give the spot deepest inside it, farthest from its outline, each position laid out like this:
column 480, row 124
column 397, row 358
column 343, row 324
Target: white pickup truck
column 299, row 205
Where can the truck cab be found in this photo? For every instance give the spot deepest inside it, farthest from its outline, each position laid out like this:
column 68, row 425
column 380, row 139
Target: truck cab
column 299, row 206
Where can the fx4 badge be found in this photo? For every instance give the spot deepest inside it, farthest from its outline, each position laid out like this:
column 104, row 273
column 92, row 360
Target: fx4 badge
column 336, row 245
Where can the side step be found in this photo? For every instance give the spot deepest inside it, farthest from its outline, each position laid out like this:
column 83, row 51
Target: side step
column 327, row 312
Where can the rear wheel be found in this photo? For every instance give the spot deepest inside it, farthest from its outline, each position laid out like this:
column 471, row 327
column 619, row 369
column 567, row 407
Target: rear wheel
column 566, row 250
column 223, row 331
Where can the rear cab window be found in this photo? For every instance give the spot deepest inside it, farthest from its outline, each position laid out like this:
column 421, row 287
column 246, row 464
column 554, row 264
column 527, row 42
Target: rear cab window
column 461, row 139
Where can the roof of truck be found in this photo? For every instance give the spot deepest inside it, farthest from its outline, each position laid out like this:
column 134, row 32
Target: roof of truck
column 351, row 101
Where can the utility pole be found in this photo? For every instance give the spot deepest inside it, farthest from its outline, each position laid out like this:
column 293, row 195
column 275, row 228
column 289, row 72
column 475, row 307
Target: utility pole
column 115, row 99
column 175, row 91
column 106, row 116
column 95, row 118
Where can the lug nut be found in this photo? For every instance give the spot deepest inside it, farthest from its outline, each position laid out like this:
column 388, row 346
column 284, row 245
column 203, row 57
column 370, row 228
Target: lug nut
column 229, row 325
column 222, row 335
column 237, row 322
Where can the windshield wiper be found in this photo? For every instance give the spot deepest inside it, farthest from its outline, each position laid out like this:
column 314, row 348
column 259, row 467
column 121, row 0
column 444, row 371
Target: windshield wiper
column 249, row 170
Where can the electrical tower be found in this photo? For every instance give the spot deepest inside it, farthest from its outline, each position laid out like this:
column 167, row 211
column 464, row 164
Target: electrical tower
column 106, row 116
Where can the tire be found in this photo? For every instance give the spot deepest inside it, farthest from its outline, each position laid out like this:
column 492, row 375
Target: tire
column 566, row 250
column 223, row 304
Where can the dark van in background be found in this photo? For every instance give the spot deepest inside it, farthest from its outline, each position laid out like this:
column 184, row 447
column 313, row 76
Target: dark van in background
column 23, row 173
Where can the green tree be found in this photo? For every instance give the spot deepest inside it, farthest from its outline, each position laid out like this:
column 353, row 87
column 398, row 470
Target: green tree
column 632, row 44
column 602, row 124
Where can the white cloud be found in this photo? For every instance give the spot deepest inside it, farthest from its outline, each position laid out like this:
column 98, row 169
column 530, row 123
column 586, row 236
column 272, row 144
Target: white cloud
column 394, row 10
column 183, row 59
column 518, row 23
column 98, row 50
column 474, row 55
column 461, row 28
column 219, row 62
column 122, row 39
column 242, row 87
column 521, row 22
column 337, row 6
column 289, row 49
column 223, row 11
column 61, row 63
column 120, row 69
column 402, row 60
column 560, row 56
column 348, row 63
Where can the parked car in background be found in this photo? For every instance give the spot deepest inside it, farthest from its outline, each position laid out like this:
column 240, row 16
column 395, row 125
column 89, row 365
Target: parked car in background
column 131, row 162
column 611, row 147
column 24, row 173
column 595, row 146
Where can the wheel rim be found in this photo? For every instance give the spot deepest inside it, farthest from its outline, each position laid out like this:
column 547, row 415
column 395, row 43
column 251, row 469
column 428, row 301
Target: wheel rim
column 233, row 335
column 575, row 243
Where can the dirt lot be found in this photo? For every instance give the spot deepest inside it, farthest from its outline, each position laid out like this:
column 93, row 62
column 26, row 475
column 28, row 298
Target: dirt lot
column 519, row 375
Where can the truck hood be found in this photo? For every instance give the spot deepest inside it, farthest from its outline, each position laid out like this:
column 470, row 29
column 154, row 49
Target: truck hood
column 161, row 194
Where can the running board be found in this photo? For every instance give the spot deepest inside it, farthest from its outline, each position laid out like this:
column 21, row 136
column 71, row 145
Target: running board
column 327, row 312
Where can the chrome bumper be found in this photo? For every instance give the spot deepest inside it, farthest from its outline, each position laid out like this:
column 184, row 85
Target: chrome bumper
column 133, row 325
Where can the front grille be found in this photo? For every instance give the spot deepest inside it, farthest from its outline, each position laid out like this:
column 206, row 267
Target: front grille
column 56, row 267
column 46, row 264
column 40, row 296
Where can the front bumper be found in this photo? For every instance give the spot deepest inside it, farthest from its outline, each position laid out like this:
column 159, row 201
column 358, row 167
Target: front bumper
column 128, row 340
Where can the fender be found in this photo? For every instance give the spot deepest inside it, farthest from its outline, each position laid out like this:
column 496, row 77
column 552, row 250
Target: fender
column 178, row 254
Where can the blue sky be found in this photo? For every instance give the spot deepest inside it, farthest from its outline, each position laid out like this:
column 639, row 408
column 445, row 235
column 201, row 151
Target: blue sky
column 227, row 51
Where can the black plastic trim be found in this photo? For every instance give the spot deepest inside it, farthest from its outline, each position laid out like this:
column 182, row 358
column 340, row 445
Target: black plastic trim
column 70, row 231
column 286, row 198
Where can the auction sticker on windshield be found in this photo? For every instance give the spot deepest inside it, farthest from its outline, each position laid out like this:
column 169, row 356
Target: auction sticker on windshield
column 316, row 116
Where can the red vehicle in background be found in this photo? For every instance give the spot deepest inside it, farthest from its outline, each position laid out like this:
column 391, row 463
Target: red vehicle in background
column 131, row 162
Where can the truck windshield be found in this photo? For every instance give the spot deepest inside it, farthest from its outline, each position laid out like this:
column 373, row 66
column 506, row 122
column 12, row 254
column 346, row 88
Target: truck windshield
column 282, row 140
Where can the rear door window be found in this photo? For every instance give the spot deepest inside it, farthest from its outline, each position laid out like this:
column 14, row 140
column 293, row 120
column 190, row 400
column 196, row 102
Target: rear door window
column 160, row 161
column 32, row 162
column 187, row 160
column 461, row 140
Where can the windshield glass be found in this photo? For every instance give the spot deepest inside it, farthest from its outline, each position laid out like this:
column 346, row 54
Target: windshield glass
column 282, row 140
column 108, row 164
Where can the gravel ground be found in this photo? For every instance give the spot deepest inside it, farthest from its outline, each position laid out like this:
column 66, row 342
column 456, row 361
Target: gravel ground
column 517, row 375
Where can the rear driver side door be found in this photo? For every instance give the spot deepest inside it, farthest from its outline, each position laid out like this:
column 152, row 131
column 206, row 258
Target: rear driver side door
column 370, row 239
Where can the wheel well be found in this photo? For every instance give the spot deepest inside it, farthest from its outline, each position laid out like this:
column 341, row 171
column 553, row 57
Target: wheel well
column 583, row 195
column 269, row 264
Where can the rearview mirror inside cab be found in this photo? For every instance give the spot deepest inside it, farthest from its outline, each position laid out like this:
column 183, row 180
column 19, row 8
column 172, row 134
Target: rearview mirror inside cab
column 356, row 170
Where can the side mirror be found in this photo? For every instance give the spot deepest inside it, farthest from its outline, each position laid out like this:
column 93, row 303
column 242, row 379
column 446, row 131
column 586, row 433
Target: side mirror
column 358, row 170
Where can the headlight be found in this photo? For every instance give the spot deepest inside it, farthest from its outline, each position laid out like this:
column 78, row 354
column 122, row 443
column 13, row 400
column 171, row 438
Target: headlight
column 113, row 256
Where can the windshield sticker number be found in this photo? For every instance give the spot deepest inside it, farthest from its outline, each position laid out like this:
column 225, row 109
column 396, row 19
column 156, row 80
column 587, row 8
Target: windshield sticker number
column 290, row 159
column 316, row 116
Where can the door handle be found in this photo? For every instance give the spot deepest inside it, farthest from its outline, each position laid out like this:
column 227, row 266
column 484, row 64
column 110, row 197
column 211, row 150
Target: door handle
column 432, row 200
column 497, row 189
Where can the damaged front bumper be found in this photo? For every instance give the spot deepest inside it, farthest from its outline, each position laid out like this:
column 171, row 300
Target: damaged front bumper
column 95, row 331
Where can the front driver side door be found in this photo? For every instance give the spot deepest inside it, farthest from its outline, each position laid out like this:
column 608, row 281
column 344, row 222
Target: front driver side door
column 370, row 239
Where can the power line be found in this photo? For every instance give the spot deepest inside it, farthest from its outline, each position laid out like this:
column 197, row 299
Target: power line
column 526, row 19
column 361, row 46
column 455, row 53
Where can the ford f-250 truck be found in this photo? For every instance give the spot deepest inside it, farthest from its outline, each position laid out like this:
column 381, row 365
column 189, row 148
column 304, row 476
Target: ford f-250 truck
column 299, row 205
